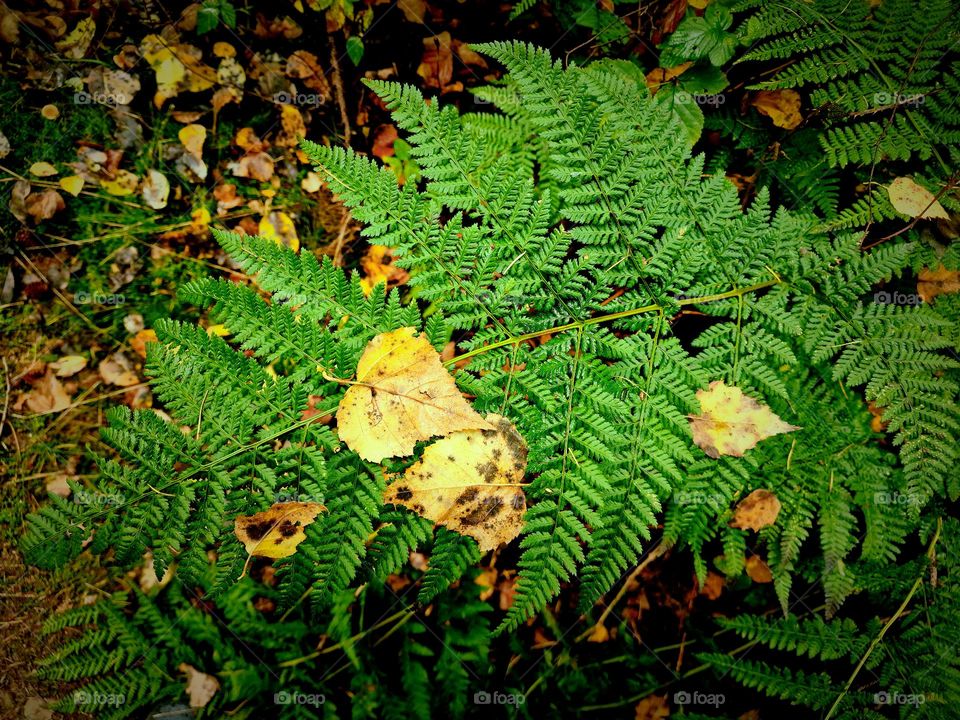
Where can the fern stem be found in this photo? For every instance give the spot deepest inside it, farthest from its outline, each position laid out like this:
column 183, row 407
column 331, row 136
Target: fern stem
column 599, row 319
column 931, row 552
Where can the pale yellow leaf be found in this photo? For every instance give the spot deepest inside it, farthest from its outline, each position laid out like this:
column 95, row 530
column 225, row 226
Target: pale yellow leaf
column 731, row 423
column 201, row 687
column 193, row 136
column 915, row 201
column 403, row 394
column 68, row 365
column 72, row 184
column 42, row 169
column 155, row 190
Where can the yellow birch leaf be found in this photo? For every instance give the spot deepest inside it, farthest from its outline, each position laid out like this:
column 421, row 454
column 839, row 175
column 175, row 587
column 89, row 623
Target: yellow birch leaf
column 403, row 394
column 781, row 106
column 756, row 511
column 915, row 201
column 276, row 533
column 192, row 136
column 72, row 184
column 75, row 44
column 279, row 227
column 731, row 423
column 125, row 183
column 469, row 482
column 42, row 169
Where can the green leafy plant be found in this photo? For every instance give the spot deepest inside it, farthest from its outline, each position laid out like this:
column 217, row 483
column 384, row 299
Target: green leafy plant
column 593, row 276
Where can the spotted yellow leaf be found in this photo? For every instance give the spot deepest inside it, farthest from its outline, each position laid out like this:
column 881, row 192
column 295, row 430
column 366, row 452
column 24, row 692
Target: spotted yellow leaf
column 402, row 395
column 276, row 532
column 125, row 183
column 731, row 423
column 915, row 201
column 469, row 481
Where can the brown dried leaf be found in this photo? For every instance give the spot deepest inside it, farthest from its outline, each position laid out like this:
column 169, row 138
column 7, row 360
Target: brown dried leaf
column 756, row 511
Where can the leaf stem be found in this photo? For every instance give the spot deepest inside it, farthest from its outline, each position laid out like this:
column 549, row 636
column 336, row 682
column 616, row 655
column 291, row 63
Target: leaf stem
column 599, row 319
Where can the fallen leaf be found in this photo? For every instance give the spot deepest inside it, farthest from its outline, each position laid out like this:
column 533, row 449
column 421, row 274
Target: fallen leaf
column 125, row 183
column 652, row 707
column 226, row 196
column 76, row 43
column 294, row 128
column 413, row 10
column 58, row 486
column 47, row 395
column 781, row 106
column 230, row 74
column 403, row 394
column 257, row 166
column 311, row 183
column 732, row 423
column 42, row 169
column 247, row 139
column 276, row 533
column 224, row 50
column 758, row 570
column 599, row 634
column 279, row 227
column 470, row 482
column 155, row 189
column 304, row 66
column 116, row 369
column 4, row 145
column 201, row 687
column 658, row 76
column 139, row 341
column 178, row 67
column 193, row 136
column 72, row 184
column 436, row 67
column 383, row 141
column 68, row 365
column 377, row 268
column 37, row 708
column 756, row 511
column 937, row 282
column 915, row 201
column 43, row 206
column 713, row 587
